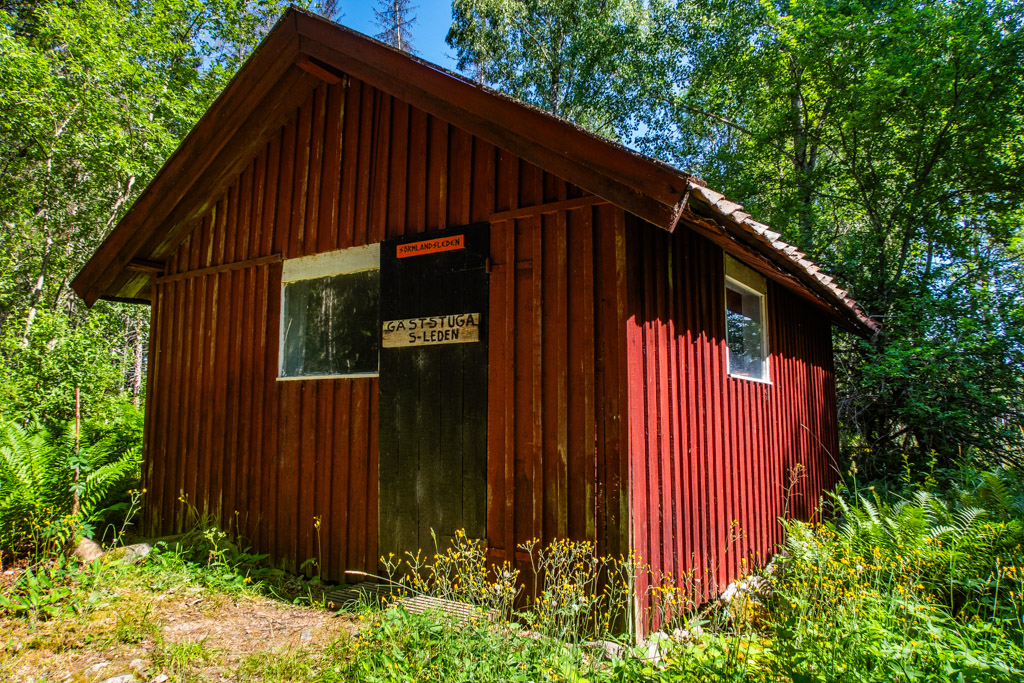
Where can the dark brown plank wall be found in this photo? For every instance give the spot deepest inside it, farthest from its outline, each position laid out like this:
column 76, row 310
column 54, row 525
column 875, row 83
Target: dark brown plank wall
column 712, row 456
column 267, row 458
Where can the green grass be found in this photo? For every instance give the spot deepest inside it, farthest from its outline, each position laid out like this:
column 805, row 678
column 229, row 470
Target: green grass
column 135, row 623
column 295, row 665
column 184, row 658
column 926, row 586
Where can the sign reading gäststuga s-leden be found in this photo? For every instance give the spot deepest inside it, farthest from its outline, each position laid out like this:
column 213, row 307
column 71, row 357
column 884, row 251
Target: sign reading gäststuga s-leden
column 457, row 328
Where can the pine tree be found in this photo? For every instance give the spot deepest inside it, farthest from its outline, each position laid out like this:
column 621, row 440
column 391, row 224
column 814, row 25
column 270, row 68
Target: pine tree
column 329, row 9
column 394, row 19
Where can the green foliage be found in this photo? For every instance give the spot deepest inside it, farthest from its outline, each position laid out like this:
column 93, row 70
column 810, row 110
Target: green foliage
column 924, row 588
column 38, row 376
column 589, row 61
column 183, row 659
column 135, row 624
column 396, row 644
column 38, row 485
column 884, row 139
column 919, row 587
column 94, row 96
column 39, row 593
column 566, row 592
column 926, row 585
column 206, row 555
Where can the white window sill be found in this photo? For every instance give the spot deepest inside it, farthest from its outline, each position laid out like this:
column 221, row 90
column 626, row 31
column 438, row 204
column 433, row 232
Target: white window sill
column 750, row 379
column 355, row 375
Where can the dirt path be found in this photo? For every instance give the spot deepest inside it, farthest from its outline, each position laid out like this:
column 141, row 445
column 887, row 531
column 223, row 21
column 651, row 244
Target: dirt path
column 189, row 634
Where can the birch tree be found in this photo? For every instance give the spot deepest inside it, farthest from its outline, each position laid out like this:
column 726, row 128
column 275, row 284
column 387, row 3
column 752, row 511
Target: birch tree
column 94, row 95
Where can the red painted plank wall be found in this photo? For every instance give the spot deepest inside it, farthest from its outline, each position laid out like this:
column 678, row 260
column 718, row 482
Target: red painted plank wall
column 267, row 458
column 712, row 457
column 556, row 442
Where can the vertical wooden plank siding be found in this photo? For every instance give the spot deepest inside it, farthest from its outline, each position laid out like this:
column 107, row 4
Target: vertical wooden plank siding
column 610, row 415
column 712, row 457
column 269, row 458
column 556, row 377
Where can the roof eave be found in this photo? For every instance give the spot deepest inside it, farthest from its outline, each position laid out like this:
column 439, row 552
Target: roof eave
column 645, row 187
column 304, row 49
column 788, row 266
column 276, row 54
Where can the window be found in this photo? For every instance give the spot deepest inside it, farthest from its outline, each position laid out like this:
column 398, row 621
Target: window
column 745, row 331
column 330, row 314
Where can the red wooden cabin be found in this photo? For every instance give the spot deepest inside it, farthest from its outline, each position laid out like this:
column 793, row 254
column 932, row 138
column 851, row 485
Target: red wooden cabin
column 388, row 299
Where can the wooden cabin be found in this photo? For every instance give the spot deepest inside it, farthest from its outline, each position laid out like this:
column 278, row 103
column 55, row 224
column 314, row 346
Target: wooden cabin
column 386, row 300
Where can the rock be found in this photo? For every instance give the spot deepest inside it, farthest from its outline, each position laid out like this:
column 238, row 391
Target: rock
column 742, row 598
column 758, row 585
column 97, row 666
column 656, row 646
column 137, row 664
column 307, row 635
column 752, row 585
column 137, row 551
column 120, row 678
column 162, row 678
column 606, row 649
column 129, row 553
column 689, row 634
column 87, row 550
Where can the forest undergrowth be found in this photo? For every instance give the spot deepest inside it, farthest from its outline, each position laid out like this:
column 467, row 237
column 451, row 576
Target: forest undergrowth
column 919, row 581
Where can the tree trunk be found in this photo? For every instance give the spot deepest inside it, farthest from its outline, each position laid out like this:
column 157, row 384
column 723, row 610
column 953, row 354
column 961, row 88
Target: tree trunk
column 37, row 291
column 137, row 368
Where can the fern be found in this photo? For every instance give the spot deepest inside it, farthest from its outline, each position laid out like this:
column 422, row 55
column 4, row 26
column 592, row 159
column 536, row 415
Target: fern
column 996, row 491
column 37, row 481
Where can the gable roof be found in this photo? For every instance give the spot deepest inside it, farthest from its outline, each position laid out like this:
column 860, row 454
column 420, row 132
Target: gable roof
column 303, row 50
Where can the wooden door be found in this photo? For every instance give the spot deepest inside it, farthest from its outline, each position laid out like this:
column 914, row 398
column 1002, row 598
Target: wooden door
column 433, row 389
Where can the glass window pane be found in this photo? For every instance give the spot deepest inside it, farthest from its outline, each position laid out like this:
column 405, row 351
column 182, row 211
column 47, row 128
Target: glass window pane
column 744, row 332
column 331, row 325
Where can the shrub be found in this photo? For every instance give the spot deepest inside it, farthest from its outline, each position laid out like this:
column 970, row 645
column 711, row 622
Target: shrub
column 397, row 645
column 38, row 483
column 926, row 587
column 39, row 375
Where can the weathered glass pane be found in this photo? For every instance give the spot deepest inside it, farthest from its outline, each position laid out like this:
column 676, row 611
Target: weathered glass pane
column 331, row 325
column 744, row 332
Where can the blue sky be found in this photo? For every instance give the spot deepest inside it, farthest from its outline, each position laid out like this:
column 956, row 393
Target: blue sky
column 433, row 17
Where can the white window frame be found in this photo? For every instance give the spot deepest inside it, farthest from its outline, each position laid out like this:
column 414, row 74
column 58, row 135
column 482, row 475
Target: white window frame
column 314, row 267
column 748, row 280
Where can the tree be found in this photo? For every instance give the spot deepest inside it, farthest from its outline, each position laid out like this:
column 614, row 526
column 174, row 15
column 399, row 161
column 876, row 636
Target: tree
column 94, row 95
column 329, row 9
column 589, row 61
column 883, row 137
column 395, row 18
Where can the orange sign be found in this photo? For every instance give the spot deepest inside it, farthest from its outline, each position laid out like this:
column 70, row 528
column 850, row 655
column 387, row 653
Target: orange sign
column 431, row 246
